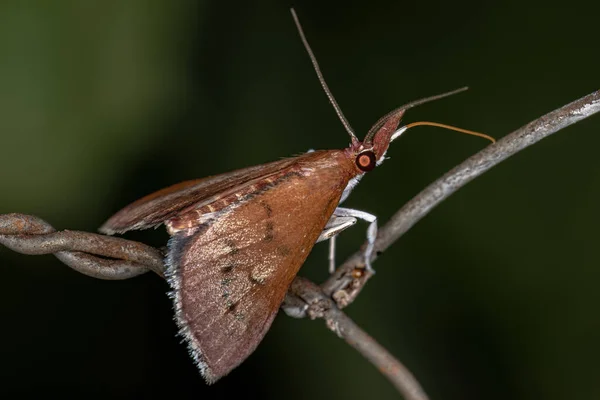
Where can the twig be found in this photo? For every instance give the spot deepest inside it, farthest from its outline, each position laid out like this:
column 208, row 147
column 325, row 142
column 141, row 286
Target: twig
column 321, row 306
column 31, row 235
column 122, row 259
column 344, row 285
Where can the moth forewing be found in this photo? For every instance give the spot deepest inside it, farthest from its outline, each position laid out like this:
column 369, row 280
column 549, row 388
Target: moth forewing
column 229, row 274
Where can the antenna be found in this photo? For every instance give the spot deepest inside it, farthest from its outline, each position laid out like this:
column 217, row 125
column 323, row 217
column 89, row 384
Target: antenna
column 315, row 64
column 412, row 104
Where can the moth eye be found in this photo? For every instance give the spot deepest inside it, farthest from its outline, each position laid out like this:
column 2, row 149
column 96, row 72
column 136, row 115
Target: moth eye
column 366, row 161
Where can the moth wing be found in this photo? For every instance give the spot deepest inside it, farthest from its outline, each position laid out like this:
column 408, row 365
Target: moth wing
column 229, row 275
column 155, row 208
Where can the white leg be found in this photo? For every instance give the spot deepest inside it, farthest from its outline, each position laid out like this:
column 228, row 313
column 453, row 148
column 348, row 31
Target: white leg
column 371, row 231
column 335, row 225
column 332, row 255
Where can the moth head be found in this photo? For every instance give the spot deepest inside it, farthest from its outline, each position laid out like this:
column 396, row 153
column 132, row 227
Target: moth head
column 371, row 151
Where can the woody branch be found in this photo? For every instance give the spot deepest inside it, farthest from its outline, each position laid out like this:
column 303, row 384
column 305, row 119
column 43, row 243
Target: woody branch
column 107, row 257
column 344, row 285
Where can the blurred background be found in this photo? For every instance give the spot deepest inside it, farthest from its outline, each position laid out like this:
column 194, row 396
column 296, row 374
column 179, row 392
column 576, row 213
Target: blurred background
column 493, row 295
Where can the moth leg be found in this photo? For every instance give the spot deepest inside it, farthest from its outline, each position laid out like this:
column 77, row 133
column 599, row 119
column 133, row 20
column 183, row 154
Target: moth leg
column 371, row 230
column 331, row 255
column 334, row 226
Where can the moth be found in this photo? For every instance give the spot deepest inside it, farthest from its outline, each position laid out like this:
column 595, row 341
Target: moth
column 237, row 240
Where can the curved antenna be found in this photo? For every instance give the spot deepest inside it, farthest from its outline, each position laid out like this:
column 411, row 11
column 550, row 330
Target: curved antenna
column 450, row 127
column 412, row 104
column 315, row 64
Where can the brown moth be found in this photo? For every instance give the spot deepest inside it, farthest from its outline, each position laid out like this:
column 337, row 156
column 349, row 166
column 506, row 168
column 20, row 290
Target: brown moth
column 238, row 239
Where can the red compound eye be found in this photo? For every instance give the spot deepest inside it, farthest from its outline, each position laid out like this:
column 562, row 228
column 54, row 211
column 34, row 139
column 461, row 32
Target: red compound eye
column 366, row 161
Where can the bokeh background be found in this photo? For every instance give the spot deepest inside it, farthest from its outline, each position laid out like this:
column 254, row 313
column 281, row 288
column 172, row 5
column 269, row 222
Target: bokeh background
column 492, row 296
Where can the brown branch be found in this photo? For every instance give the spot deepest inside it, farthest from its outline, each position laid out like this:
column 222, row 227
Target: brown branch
column 318, row 305
column 114, row 258
column 125, row 259
column 345, row 284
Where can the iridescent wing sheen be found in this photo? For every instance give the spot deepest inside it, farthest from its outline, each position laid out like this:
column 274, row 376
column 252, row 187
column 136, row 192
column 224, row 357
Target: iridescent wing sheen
column 229, row 273
column 152, row 210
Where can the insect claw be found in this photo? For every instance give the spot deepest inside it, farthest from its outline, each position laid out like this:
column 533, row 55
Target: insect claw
column 369, row 267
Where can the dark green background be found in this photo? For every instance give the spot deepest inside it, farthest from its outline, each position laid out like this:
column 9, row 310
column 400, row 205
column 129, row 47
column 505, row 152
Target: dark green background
column 492, row 296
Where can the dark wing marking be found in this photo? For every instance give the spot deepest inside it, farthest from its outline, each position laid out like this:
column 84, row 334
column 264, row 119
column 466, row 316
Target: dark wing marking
column 229, row 275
